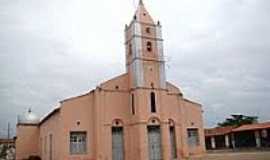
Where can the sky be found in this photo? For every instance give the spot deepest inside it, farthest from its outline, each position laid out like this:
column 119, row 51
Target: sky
column 217, row 52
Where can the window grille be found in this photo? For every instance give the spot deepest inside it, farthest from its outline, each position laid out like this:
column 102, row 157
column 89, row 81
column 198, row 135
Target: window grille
column 77, row 142
column 193, row 137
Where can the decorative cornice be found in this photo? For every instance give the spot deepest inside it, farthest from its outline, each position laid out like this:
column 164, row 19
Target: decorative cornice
column 143, row 37
column 145, row 59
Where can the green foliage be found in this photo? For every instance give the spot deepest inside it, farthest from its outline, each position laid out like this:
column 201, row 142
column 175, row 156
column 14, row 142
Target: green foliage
column 238, row 120
column 3, row 151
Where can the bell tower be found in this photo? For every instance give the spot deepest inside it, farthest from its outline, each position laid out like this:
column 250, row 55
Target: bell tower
column 144, row 51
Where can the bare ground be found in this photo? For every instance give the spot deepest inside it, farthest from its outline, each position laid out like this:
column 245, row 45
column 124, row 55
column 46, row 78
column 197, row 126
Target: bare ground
column 236, row 156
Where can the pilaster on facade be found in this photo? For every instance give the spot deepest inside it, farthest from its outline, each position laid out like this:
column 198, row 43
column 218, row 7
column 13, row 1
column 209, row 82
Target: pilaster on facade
column 165, row 141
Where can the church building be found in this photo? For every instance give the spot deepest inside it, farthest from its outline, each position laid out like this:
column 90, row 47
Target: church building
column 135, row 116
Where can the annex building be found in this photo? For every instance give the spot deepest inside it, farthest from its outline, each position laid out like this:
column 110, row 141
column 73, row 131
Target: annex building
column 135, row 116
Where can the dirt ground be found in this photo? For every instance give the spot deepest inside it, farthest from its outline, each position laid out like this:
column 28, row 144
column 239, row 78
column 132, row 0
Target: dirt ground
column 236, row 156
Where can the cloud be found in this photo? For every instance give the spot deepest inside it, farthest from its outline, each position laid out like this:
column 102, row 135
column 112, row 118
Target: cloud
column 216, row 51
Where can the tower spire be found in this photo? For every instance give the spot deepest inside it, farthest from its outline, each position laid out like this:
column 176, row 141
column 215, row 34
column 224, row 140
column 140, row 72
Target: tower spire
column 141, row 2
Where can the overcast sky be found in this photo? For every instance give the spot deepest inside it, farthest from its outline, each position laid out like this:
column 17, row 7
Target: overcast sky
column 217, row 52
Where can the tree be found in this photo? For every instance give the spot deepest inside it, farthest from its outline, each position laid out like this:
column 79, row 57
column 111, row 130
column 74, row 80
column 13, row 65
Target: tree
column 238, row 120
column 3, row 151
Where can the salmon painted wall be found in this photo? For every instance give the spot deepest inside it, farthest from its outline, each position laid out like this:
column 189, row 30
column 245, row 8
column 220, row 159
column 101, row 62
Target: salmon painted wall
column 77, row 115
column 110, row 104
column 27, row 141
column 50, row 129
column 98, row 111
column 193, row 119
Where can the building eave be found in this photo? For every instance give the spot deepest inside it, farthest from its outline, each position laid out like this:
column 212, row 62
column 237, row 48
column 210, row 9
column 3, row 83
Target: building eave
column 28, row 124
column 190, row 101
column 47, row 117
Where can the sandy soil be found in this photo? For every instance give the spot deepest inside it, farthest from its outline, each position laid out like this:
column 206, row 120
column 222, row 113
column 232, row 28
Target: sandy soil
column 236, row 156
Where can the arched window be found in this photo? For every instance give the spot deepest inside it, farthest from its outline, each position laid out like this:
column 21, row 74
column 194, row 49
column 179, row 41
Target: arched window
column 149, row 46
column 148, row 30
column 130, row 49
column 153, row 102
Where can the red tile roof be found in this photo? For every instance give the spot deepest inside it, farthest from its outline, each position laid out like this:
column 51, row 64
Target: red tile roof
column 225, row 130
column 218, row 131
column 5, row 141
column 249, row 127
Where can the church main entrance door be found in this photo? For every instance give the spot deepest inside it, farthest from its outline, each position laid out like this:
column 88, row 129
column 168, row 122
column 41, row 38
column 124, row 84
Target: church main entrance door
column 117, row 143
column 154, row 142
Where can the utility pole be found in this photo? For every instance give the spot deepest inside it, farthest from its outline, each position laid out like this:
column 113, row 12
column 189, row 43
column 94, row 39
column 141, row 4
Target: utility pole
column 8, row 134
column 8, row 130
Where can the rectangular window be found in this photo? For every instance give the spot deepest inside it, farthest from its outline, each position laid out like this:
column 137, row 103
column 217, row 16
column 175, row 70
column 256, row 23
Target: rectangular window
column 117, row 143
column 173, row 143
column 153, row 102
column 41, row 146
column 78, row 143
column 51, row 145
column 193, row 137
column 45, row 146
column 132, row 104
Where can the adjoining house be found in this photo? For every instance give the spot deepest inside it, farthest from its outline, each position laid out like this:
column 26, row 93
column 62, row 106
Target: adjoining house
column 7, row 149
column 246, row 136
column 10, row 142
column 135, row 116
column 218, row 138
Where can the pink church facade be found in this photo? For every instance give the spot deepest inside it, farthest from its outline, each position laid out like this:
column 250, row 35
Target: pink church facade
column 135, row 116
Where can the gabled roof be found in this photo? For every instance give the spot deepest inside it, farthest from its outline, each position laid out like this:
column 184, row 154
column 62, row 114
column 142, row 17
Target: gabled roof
column 72, row 98
column 255, row 126
column 47, row 117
